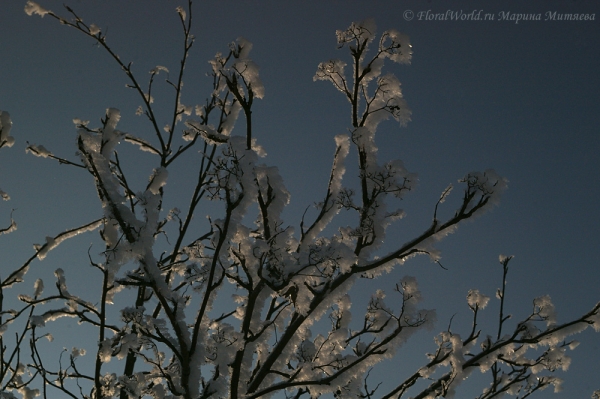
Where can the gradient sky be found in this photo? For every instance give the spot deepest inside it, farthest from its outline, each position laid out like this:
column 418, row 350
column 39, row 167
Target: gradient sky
column 522, row 98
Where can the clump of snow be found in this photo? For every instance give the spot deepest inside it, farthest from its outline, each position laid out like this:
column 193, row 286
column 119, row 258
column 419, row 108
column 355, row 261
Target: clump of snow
column 94, row 29
column 359, row 31
column 37, row 321
column 248, row 69
column 388, row 101
column 110, row 136
column 207, row 132
column 76, row 352
column 503, row 258
column 9, row 229
column 234, row 110
column 157, row 69
column 396, row 46
column 34, row 8
column 411, row 288
column 181, row 12
column 488, row 184
column 80, row 122
column 595, row 320
column 476, row 299
column 105, row 352
column 184, row 110
column 445, row 193
column 5, row 126
column 7, row 395
column 159, row 179
column 243, row 67
column 242, row 48
column 143, row 144
column 573, row 344
column 544, row 308
column 38, row 287
column 332, row 70
column 38, row 151
column 330, row 207
column 28, row 393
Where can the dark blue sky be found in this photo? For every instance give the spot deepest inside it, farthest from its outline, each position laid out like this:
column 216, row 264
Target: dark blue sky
column 522, row 98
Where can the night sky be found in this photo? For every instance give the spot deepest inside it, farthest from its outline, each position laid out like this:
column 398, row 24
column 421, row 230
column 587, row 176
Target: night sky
column 521, row 98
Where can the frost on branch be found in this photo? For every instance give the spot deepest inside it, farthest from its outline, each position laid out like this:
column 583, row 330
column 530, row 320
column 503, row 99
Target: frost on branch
column 332, row 204
column 386, row 99
column 207, row 132
column 333, row 71
column 243, row 73
column 53, row 242
column 247, row 69
column 240, row 82
column 487, row 186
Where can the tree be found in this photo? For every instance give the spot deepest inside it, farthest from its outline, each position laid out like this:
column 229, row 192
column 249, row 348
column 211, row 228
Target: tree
column 288, row 330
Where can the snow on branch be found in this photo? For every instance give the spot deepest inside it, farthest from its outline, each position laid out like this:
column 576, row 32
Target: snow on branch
column 6, row 140
column 9, row 229
column 208, row 133
column 331, row 205
column 34, row 8
column 53, row 242
column 38, row 151
column 143, row 144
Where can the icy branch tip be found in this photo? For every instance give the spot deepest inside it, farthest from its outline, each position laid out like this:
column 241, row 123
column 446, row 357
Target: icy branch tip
column 80, row 122
column 5, row 125
column 158, row 68
column 38, row 151
column 34, row 8
column 181, row 12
